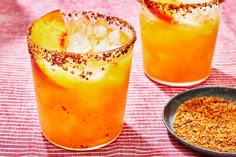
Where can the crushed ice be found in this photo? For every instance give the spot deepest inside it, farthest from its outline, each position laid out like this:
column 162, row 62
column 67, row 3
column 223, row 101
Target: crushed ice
column 85, row 36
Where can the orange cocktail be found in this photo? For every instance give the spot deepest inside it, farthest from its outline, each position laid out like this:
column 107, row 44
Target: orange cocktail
column 178, row 39
column 81, row 66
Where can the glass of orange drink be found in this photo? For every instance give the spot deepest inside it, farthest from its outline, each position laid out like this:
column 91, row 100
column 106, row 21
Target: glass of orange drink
column 81, row 63
column 178, row 39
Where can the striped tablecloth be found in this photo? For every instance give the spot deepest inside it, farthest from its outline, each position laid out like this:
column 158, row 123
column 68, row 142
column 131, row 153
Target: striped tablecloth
column 144, row 133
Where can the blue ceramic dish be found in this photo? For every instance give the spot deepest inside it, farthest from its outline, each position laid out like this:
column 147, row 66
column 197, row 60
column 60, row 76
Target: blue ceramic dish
column 171, row 107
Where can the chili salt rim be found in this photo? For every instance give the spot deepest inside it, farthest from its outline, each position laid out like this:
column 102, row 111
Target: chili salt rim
column 171, row 8
column 59, row 58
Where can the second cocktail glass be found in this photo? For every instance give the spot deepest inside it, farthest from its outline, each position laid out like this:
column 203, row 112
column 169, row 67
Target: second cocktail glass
column 178, row 39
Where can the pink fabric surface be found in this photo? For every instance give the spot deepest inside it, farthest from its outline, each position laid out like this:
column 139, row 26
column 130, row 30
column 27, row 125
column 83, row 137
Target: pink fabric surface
column 144, row 133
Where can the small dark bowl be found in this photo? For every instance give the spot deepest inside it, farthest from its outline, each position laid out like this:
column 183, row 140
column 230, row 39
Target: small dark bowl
column 171, row 107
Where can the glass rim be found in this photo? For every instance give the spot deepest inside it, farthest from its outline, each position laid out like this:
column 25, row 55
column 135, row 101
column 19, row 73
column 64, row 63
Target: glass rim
column 183, row 4
column 53, row 55
column 167, row 7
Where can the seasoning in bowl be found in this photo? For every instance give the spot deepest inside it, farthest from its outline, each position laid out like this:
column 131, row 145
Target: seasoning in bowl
column 207, row 122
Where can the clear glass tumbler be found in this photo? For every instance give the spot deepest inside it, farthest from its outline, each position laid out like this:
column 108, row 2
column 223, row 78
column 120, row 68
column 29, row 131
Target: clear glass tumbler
column 178, row 39
column 81, row 97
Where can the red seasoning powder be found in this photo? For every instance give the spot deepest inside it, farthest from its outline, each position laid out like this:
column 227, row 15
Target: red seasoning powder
column 208, row 122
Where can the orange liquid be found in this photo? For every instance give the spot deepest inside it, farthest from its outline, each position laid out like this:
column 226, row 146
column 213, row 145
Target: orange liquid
column 86, row 116
column 174, row 53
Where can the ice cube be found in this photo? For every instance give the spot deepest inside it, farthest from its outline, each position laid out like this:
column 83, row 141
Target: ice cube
column 89, row 29
column 117, row 38
column 114, row 37
column 78, row 43
column 100, row 29
column 78, row 25
column 93, row 40
column 103, row 45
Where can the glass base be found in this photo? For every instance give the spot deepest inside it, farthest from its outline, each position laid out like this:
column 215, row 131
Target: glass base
column 83, row 149
column 177, row 84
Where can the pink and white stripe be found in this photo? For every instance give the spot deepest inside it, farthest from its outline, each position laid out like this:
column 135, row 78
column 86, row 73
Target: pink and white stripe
column 144, row 133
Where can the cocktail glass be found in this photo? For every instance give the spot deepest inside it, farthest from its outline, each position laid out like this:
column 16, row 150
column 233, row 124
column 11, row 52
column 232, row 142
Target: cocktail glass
column 81, row 97
column 178, row 39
